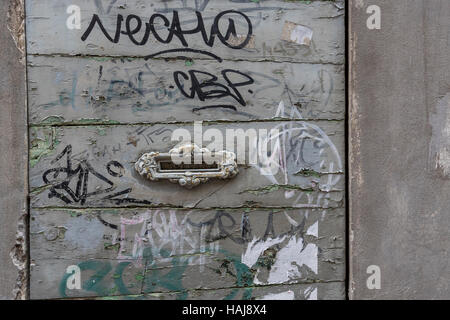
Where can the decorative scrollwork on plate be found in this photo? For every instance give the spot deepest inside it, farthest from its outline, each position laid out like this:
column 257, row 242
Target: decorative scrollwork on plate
column 187, row 165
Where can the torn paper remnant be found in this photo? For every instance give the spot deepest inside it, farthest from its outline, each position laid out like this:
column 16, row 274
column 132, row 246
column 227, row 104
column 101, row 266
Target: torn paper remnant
column 297, row 33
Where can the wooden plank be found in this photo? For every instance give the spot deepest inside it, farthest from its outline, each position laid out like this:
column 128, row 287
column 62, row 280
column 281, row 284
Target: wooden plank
column 96, row 106
column 101, row 171
column 141, row 251
column 64, row 89
column 271, row 23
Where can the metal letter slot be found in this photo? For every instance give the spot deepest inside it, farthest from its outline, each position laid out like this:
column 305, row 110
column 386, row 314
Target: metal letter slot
column 185, row 170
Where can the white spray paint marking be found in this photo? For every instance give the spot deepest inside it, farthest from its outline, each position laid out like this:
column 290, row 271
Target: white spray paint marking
column 313, row 230
column 287, row 295
column 291, row 221
column 311, row 293
column 318, row 140
column 290, row 258
column 166, row 236
column 443, row 161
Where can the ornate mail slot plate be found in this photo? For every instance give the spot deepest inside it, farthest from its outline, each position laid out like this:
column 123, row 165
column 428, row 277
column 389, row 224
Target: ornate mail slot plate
column 188, row 165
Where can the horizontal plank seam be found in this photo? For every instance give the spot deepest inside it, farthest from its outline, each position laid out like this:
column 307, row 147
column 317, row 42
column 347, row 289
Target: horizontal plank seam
column 211, row 289
column 92, row 56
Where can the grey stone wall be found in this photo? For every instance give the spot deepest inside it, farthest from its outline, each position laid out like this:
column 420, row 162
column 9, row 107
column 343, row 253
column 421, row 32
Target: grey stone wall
column 13, row 155
column 399, row 115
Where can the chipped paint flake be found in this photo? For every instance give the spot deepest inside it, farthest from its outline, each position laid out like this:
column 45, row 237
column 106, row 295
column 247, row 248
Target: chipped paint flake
column 256, row 247
column 297, row 33
column 239, row 40
column 19, row 258
column 16, row 26
column 440, row 139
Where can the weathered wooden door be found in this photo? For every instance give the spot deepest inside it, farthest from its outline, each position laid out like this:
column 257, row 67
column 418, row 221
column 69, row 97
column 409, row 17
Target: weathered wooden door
column 111, row 80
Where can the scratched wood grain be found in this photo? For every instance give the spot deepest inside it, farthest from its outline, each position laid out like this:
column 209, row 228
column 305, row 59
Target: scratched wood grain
column 268, row 18
column 64, row 89
column 140, row 251
column 101, row 169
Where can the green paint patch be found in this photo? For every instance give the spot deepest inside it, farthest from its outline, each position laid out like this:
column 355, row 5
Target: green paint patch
column 74, row 213
column 139, row 277
column 110, row 298
column 59, row 121
column 52, row 120
column 101, row 132
column 39, row 190
column 42, row 146
column 113, row 290
column 189, row 63
column 309, row 173
column 110, row 246
column 171, row 280
column 104, row 59
column 276, row 187
column 93, row 121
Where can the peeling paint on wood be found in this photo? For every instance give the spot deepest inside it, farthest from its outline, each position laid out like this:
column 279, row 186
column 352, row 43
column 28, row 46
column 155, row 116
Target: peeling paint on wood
column 179, row 243
column 138, row 91
column 99, row 156
column 100, row 99
column 297, row 33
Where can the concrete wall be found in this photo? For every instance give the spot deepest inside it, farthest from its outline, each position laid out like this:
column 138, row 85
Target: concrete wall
column 13, row 155
column 399, row 144
column 96, row 105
